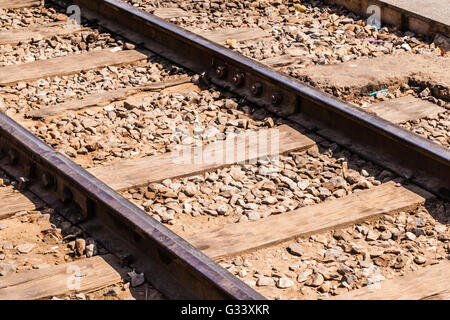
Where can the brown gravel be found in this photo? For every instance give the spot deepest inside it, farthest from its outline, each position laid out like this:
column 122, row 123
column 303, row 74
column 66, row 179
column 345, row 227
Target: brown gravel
column 251, row 192
column 23, row 97
column 22, row 18
column 57, row 46
column 323, row 34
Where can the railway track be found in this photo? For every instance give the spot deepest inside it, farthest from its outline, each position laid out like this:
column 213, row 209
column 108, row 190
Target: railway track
column 334, row 41
column 295, row 193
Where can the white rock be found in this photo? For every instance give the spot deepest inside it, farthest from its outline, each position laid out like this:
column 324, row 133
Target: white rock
column 231, row 104
column 197, row 130
column 389, row 218
column 90, row 250
column 7, row 246
column 302, row 277
column 211, row 212
column 166, row 216
column 108, row 108
column 437, row 228
column 187, row 140
column 250, row 282
column 284, row 283
column 376, row 278
column 269, row 200
column 7, row 268
column 363, row 229
column 420, row 260
column 324, row 296
column 364, row 173
column 349, row 278
column 25, row 248
column 211, row 132
column 187, row 207
column 317, row 280
column 410, row 236
column 251, row 206
column 264, row 171
column 295, row 249
column 222, row 209
column 190, row 190
column 242, row 273
column 80, row 296
column 406, row 47
column 264, row 281
column 371, row 236
column 243, row 219
column 340, row 193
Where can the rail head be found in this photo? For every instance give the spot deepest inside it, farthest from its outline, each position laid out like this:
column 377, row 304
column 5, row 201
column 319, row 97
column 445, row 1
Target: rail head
column 175, row 267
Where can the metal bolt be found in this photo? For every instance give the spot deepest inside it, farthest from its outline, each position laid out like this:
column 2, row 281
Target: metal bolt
column 238, row 79
column 221, row 72
column 256, row 88
column 277, row 97
column 47, row 180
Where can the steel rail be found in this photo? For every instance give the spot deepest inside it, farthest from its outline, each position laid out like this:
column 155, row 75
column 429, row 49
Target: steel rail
column 172, row 265
column 410, row 155
column 393, row 14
